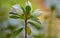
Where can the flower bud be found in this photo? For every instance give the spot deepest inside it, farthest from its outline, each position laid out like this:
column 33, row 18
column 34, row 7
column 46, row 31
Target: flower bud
column 37, row 13
column 16, row 9
column 28, row 4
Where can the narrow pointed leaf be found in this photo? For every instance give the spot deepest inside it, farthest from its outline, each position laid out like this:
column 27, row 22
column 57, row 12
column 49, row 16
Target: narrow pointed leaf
column 14, row 16
column 17, row 16
column 23, row 9
column 13, row 13
column 32, row 17
column 35, row 19
column 36, row 25
column 15, row 33
column 22, row 16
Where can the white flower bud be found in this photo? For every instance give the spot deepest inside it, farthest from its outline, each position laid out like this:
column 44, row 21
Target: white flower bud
column 37, row 13
column 28, row 4
column 17, row 6
column 16, row 9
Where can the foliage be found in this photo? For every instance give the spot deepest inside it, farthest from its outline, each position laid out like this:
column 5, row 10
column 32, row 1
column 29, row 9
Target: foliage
column 15, row 33
column 26, row 14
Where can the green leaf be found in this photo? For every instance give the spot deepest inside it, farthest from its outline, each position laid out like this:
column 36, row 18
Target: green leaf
column 17, row 16
column 13, row 13
column 16, row 32
column 22, row 16
column 11, row 27
column 14, row 16
column 28, row 30
column 34, row 19
column 23, row 9
column 28, row 9
column 36, row 25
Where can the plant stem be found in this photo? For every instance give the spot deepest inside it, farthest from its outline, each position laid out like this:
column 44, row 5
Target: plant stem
column 25, row 26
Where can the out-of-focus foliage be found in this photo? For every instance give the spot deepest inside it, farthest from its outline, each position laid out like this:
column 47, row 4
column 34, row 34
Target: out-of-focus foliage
column 10, row 3
column 3, row 13
column 15, row 33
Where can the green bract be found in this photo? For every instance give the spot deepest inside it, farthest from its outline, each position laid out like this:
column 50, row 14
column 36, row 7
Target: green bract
column 28, row 9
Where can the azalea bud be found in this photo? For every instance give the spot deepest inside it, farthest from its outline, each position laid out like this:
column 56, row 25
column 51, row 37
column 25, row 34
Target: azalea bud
column 37, row 13
column 17, row 6
column 16, row 9
column 28, row 7
column 28, row 4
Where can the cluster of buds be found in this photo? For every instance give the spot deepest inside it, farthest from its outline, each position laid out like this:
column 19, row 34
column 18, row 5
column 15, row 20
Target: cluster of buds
column 17, row 9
